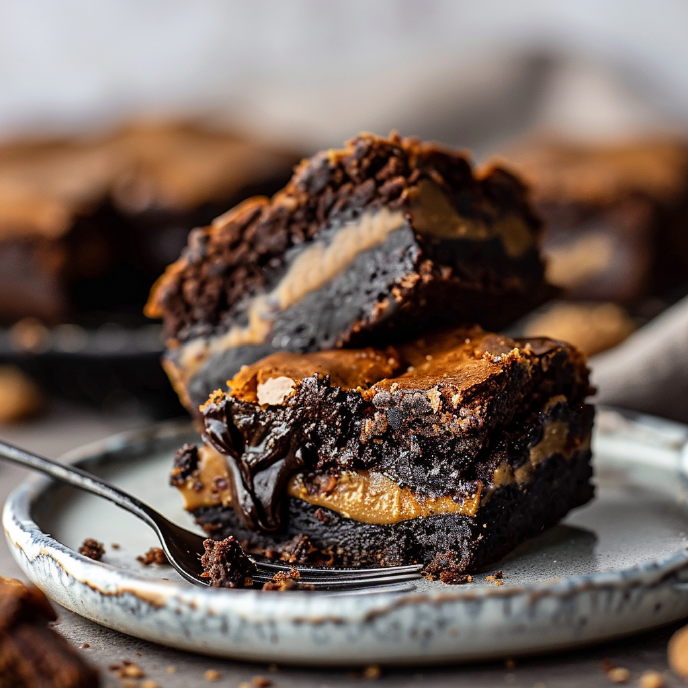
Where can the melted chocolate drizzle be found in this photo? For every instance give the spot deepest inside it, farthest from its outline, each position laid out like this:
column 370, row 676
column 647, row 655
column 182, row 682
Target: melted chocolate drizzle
column 260, row 467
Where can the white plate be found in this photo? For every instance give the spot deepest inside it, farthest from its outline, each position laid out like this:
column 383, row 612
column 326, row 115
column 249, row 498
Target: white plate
column 615, row 567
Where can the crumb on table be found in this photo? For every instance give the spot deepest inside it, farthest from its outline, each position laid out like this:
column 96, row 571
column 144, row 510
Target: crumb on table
column 261, row 682
column 615, row 674
column 20, row 397
column 652, row 679
column 155, row 555
column 677, row 652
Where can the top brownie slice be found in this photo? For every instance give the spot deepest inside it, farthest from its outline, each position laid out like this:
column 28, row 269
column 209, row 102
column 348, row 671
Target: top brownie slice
column 387, row 235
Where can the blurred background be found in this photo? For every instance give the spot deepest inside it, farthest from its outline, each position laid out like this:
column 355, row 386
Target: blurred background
column 125, row 124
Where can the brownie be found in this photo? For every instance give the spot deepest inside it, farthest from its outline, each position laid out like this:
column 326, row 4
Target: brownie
column 225, row 564
column 381, row 239
column 88, row 223
column 447, row 450
column 31, row 654
column 614, row 213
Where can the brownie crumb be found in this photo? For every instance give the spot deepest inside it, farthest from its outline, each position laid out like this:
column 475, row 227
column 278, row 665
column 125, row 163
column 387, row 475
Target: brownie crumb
column 212, row 675
column 155, row 555
column 496, row 578
column 454, row 578
column 226, row 565
column 370, row 673
column 677, row 652
column 285, row 580
column 131, row 670
column 298, row 550
column 92, row 549
column 20, row 397
column 185, row 464
column 85, row 646
column 615, row 673
column 652, row 679
column 261, row 682
column 619, row 675
column 115, row 545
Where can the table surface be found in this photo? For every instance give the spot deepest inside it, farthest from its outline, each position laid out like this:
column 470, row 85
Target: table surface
column 65, row 426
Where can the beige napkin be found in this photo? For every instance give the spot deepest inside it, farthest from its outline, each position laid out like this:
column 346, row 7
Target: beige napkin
column 648, row 372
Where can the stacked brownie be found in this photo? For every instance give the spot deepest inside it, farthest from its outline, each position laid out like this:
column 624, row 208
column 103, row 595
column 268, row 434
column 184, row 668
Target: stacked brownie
column 329, row 339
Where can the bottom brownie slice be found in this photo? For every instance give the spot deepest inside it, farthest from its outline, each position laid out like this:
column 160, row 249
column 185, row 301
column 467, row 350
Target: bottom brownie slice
column 447, row 453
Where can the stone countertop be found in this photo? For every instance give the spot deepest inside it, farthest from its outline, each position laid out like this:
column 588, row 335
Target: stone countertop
column 65, row 427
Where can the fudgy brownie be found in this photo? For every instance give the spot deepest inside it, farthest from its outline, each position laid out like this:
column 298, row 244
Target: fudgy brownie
column 226, row 565
column 386, row 237
column 88, row 223
column 447, row 450
column 31, row 654
column 615, row 215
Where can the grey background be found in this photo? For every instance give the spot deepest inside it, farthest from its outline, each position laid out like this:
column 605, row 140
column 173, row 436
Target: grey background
column 314, row 71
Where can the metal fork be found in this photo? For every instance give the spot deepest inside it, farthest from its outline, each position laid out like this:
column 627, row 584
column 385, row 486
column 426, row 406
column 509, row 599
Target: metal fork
column 184, row 548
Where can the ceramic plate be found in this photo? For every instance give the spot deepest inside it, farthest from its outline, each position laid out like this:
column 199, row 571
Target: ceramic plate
column 614, row 567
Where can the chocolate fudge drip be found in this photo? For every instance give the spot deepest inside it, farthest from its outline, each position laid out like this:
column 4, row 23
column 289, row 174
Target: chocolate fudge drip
column 260, row 466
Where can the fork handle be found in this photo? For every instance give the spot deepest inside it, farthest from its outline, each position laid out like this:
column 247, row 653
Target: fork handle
column 80, row 479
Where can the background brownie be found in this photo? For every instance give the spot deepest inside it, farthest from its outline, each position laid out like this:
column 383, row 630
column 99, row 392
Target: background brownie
column 614, row 214
column 88, row 223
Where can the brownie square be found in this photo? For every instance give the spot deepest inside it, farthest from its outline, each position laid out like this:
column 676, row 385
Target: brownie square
column 448, row 450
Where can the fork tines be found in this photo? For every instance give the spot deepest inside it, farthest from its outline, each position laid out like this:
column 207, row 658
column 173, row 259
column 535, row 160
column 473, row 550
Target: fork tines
column 332, row 577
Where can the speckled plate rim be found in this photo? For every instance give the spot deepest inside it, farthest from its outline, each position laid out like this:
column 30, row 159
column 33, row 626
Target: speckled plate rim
column 448, row 624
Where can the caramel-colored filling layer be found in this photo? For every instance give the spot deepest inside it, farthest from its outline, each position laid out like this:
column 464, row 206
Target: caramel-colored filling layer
column 432, row 213
column 364, row 496
column 209, row 486
column 555, row 440
column 370, row 497
column 312, row 269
